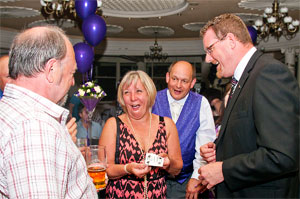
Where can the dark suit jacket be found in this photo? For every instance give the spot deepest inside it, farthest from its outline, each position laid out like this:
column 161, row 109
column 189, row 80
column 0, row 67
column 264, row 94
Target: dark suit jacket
column 259, row 137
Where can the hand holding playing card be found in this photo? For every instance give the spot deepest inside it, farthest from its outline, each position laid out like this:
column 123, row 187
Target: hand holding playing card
column 154, row 160
column 166, row 163
column 138, row 169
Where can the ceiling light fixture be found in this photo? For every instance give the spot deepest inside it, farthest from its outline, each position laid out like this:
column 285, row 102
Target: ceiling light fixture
column 156, row 54
column 276, row 23
column 62, row 10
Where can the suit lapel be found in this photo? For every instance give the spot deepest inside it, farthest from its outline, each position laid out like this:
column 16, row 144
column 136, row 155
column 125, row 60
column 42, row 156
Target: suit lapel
column 237, row 92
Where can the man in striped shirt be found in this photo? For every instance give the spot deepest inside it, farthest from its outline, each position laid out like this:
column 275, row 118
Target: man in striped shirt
column 38, row 158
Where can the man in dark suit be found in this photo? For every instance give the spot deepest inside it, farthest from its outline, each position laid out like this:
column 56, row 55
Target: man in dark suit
column 257, row 152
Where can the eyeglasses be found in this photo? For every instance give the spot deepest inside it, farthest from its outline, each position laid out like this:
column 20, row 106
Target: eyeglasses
column 209, row 49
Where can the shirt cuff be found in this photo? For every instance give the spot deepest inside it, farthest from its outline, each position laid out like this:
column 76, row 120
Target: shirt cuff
column 195, row 174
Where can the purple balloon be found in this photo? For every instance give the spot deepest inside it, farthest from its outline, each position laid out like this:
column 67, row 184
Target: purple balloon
column 253, row 33
column 94, row 29
column 85, row 8
column 84, row 56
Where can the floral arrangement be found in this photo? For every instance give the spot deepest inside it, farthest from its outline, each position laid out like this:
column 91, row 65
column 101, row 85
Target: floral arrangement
column 90, row 89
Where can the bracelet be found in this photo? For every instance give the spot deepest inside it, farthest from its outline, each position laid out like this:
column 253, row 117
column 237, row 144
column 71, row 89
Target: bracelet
column 125, row 169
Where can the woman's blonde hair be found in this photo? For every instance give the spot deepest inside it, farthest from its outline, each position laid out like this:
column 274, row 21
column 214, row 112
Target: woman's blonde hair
column 133, row 77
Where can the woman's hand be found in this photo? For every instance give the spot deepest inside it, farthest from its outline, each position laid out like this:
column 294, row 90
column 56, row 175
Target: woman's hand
column 138, row 169
column 167, row 162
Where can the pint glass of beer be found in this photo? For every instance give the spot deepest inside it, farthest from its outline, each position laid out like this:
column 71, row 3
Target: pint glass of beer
column 96, row 164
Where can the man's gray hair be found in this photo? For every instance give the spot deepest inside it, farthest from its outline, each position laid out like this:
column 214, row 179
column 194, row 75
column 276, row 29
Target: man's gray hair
column 30, row 51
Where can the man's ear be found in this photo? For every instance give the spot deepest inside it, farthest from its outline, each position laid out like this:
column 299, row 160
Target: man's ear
column 193, row 82
column 167, row 77
column 232, row 40
column 50, row 68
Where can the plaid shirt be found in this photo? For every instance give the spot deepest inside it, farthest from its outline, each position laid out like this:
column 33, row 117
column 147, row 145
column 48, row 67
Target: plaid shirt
column 37, row 156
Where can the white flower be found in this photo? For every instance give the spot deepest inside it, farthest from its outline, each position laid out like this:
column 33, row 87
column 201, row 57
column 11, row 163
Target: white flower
column 90, row 84
column 90, row 89
column 81, row 92
column 97, row 89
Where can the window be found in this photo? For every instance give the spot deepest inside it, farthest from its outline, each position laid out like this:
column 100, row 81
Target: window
column 125, row 67
column 109, row 71
column 157, row 71
column 105, row 76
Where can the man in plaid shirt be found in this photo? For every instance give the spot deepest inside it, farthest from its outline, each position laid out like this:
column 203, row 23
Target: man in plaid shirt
column 38, row 158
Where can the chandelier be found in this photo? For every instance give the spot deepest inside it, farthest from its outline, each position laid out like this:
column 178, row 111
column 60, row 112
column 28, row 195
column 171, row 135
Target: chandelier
column 276, row 23
column 156, row 53
column 62, row 10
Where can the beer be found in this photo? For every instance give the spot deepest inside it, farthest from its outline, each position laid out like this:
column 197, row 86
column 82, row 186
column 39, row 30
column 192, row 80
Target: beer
column 96, row 161
column 97, row 173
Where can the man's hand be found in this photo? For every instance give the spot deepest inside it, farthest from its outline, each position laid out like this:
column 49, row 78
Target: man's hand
column 211, row 174
column 193, row 188
column 72, row 128
column 84, row 150
column 208, row 152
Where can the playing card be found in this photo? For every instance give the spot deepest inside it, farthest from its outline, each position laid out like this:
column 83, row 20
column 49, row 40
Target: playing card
column 154, row 160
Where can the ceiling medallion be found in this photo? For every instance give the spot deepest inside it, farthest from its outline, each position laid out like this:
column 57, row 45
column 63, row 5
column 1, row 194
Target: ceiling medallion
column 194, row 26
column 248, row 18
column 17, row 12
column 113, row 29
column 6, row 1
column 68, row 23
column 156, row 31
column 142, row 9
column 262, row 4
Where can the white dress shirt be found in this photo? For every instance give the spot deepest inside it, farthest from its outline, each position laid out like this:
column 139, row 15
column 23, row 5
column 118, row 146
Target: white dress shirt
column 243, row 63
column 205, row 133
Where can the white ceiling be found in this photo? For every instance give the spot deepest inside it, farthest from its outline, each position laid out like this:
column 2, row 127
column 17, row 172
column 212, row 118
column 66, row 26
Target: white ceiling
column 126, row 17
column 178, row 32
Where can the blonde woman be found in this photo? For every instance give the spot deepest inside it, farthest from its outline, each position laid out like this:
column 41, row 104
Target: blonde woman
column 141, row 132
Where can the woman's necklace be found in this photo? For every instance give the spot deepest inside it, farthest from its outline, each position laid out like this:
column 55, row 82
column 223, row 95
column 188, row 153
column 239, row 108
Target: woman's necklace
column 143, row 153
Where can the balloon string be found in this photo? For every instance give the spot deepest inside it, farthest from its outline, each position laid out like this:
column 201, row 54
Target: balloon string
column 91, row 70
column 83, row 78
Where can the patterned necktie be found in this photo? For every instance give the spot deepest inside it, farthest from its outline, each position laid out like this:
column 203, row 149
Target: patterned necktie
column 175, row 111
column 233, row 85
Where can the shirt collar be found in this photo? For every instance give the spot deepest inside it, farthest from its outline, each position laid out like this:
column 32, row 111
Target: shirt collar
column 243, row 63
column 171, row 99
column 42, row 103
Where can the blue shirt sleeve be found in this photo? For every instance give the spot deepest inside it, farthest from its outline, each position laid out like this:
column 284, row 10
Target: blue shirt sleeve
column 1, row 94
column 97, row 130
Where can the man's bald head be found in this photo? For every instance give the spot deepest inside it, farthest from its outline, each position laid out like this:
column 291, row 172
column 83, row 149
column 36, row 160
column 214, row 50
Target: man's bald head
column 33, row 48
column 4, row 71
